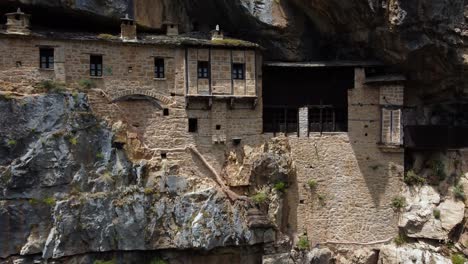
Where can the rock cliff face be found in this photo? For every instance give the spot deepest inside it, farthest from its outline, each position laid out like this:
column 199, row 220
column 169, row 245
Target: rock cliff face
column 67, row 188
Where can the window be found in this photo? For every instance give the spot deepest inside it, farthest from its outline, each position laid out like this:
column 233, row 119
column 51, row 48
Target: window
column 193, row 125
column 46, row 58
column 238, row 71
column 158, row 68
column 203, row 69
column 95, row 66
column 325, row 118
column 280, row 119
column 165, row 112
column 391, row 126
column 218, row 127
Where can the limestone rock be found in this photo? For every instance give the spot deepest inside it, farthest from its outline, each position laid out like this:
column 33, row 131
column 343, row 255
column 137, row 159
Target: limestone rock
column 256, row 218
column 66, row 190
column 418, row 217
column 391, row 254
column 282, row 258
column 319, row 256
column 364, row 256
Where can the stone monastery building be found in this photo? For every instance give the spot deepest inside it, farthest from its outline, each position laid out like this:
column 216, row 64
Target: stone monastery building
column 342, row 118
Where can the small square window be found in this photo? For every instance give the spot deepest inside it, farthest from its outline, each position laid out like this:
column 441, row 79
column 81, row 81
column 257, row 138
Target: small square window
column 238, row 71
column 193, row 125
column 218, row 127
column 163, row 155
column 95, row 65
column 203, row 69
column 159, row 68
column 165, row 112
column 46, row 60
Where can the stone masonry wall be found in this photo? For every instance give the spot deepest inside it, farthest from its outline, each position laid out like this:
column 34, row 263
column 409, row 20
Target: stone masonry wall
column 221, row 81
column 356, row 178
column 129, row 69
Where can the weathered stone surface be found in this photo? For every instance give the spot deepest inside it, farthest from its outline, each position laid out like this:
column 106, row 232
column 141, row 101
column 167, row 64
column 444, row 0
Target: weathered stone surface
column 282, row 258
column 134, row 221
column 364, row 256
column 319, row 256
column 67, row 190
column 391, row 254
column 418, row 218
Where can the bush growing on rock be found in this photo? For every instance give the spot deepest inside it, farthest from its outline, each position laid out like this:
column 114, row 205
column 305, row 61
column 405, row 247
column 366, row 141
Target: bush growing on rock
column 280, row 186
column 50, row 201
column 436, row 213
column 303, row 243
column 260, row 197
column 400, row 240
column 11, row 143
column 112, row 261
column 158, row 261
column 438, row 168
column 399, row 202
column 86, row 84
column 312, row 183
column 458, row 259
column 458, row 192
column 51, row 86
column 411, row 178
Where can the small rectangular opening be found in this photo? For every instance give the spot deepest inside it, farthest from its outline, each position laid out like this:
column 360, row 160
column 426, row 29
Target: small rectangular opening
column 165, row 112
column 163, row 155
column 238, row 71
column 218, row 127
column 193, row 125
column 95, row 65
column 203, row 70
column 46, row 58
column 159, row 68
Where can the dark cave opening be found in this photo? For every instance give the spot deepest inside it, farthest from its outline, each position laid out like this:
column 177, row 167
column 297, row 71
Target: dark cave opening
column 324, row 90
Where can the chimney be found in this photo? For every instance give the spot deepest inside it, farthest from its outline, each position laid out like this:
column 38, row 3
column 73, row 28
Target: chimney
column 217, row 34
column 172, row 29
column 18, row 23
column 128, row 29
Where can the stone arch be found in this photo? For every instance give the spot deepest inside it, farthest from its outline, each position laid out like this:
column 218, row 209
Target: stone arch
column 158, row 99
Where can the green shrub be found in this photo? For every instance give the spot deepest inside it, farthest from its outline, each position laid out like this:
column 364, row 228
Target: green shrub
column 6, row 97
column 280, row 186
column 86, row 84
column 436, row 213
column 438, row 168
column 112, row 261
column 321, row 198
column 303, row 243
column 73, row 141
column 458, row 259
column 149, row 191
column 51, row 86
column 100, row 155
column 458, row 192
column 260, row 197
column 159, row 261
column 11, row 143
column 50, row 201
column 398, row 202
column 400, row 239
column 411, row 178
column 312, row 183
